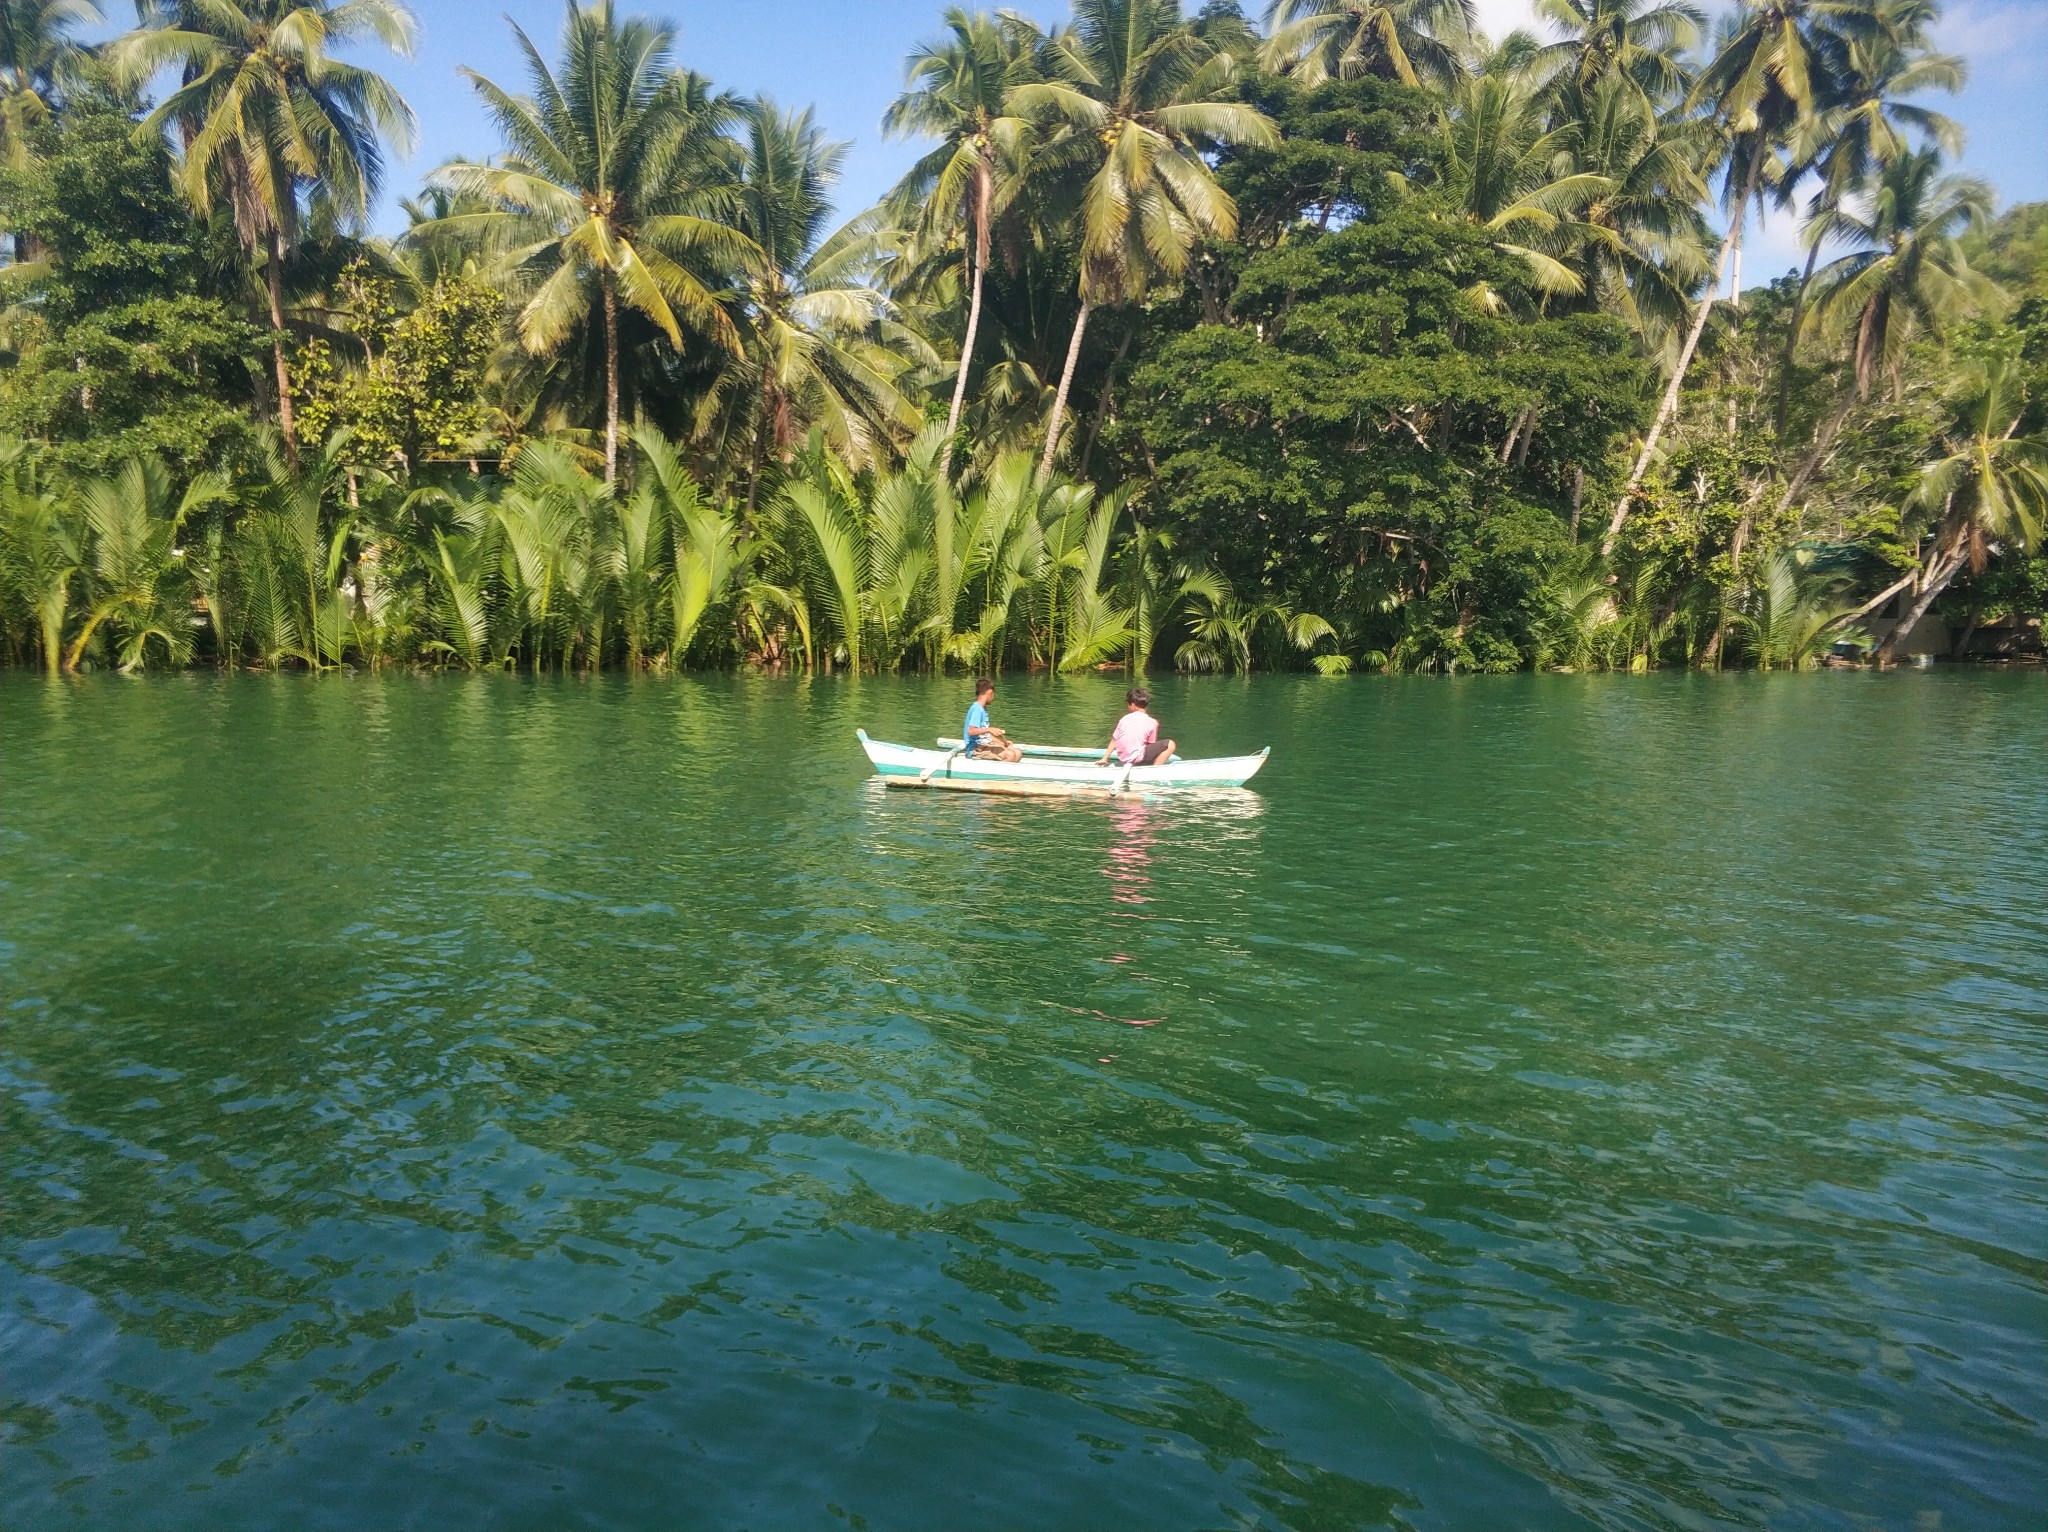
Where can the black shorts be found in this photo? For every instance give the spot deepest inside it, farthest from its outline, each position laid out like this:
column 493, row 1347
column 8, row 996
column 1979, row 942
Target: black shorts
column 1154, row 754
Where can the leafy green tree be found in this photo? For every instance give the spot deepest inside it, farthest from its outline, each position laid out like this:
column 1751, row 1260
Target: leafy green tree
column 1509, row 172
column 272, row 125
column 1377, row 442
column 617, row 189
column 1792, row 613
column 420, row 392
column 1137, row 96
column 121, row 350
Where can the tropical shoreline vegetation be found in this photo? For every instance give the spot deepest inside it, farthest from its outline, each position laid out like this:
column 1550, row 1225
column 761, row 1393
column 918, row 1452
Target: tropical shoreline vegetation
column 1348, row 339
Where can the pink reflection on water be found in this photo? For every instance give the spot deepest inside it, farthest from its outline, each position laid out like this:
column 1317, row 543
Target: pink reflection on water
column 1129, row 870
column 1130, row 853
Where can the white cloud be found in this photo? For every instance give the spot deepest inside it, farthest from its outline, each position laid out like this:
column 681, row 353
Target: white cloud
column 2006, row 41
column 1497, row 18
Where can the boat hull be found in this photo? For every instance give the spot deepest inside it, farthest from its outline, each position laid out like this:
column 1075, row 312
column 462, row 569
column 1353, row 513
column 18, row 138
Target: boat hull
column 910, row 766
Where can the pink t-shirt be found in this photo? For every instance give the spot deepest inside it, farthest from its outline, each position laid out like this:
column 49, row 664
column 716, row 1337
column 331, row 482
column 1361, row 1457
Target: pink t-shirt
column 1134, row 731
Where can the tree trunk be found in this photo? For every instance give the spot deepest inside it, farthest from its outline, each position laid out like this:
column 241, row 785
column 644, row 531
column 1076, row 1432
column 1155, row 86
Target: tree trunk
column 1942, row 564
column 978, row 253
column 611, row 380
column 1960, row 649
column 1059, row 400
column 1102, row 399
column 1877, row 600
column 274, row 277
column 1823, row 439
column 1507, row 448
column 1712, row 654
column 1792, row 341
column 1669, row 405
column 52, row 625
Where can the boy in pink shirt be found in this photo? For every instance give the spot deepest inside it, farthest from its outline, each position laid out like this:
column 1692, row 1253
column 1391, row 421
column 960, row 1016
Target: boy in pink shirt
column 1135, row 741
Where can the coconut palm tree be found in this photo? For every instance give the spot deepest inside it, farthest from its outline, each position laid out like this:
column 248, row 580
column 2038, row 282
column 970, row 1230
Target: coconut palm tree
column 1639, row 242
column 1990, row 485
column 1134, row 98
column 958, row 89
column 820, row 346
column 1864, row 126
column 1760, row 82
column 272, row 124
column 1640, row 41
column 1509, row 172
column 1905, row 272
column 617, row 189
column 1413, row 41
column 37, row 56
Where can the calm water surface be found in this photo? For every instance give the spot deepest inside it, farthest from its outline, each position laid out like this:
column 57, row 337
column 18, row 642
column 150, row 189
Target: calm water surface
column 1546, row 1103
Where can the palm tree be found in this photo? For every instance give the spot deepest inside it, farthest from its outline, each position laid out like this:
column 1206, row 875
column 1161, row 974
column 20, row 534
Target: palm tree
column 1761, row 81
column 957, row 95
column 134, row 571
column 272, row 124
column 1791, row 613
column 820, row 346
column 1136, row 97
column 1413, row 41
column 1863, row 127
column 1222, row 627
column 1990, row 485
column 617, row 189
column 40, row 554
column 1510, row 173
column 1906, row 271
column 1639, row 243
column 37, row 56
column 1640, row 41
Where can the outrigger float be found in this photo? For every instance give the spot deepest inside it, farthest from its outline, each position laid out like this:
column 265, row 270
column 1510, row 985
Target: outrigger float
column 1050, row 770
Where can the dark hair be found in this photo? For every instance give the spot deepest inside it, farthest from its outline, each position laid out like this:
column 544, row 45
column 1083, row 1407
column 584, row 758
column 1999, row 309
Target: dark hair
column 1139, row 696
column 983, row 684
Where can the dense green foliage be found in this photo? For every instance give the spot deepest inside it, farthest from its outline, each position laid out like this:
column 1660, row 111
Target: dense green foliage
column 1361, row 342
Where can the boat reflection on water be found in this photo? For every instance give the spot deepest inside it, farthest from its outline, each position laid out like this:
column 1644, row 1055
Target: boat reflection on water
column 1187, row 828
column 1130, row 853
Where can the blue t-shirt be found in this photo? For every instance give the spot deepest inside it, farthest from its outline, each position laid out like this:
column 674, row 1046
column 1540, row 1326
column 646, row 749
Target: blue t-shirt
column 977, row 718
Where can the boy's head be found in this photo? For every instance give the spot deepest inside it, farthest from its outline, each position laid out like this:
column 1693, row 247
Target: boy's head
column 1138, row 698
column 984, row 688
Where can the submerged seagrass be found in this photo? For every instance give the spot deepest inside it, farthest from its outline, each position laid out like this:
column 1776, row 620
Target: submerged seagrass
column 1547, row 1102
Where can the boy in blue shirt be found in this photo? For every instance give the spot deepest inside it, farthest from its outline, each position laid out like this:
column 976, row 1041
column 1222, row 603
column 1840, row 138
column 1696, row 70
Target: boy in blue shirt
column 981, row 738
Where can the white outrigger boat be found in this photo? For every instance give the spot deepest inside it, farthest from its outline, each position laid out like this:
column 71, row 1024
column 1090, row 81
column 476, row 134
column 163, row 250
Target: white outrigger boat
column 1051, row 770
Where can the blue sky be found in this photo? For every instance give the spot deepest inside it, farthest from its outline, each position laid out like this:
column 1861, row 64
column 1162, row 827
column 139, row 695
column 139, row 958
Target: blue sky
column 846, row 59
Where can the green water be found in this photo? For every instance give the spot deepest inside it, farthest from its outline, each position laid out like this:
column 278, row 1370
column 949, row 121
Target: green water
column 1545, row 1103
